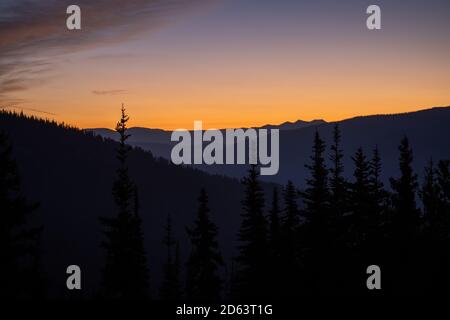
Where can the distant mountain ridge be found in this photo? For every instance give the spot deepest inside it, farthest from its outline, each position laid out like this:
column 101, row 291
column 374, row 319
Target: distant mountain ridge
column 428, row 130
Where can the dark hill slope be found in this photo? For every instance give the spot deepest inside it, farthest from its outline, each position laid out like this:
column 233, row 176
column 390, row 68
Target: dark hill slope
column 71, row 173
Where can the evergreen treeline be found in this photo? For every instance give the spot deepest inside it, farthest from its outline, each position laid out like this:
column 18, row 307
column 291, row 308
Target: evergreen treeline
column 317, row 240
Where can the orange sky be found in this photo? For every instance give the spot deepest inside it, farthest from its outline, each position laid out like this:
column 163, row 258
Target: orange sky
column 232, row 68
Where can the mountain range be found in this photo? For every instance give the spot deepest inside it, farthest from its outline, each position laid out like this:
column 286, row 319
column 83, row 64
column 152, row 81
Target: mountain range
column 428, row 131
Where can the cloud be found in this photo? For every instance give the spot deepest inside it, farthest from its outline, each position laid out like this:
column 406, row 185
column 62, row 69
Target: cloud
column 109, row 92
column 16, row 108
column 33, row 34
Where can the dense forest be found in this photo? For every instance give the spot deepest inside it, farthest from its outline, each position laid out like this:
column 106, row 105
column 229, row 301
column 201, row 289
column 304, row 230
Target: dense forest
column 288, row 241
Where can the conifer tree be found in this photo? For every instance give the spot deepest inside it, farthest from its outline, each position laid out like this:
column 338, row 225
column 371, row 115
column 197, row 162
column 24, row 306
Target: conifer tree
column 407, row 216
column 429, row 195
column 125, row 274
column 442, row 277
column 316, row 235
column 170, row 287
column 253, row 250
column 379, row 194
column 19, row 251
column 405, row 224
column 443, row 190
column 361, row 201
column 289, row 257
column 274, row 225
column 361, row 217
column 316, row 195
column 203, row 281
column 275, row 242
column 379, row 218
column 338, row 184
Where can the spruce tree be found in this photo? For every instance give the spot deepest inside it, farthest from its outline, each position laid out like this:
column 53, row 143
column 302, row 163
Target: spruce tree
column 338, row 184
column 203, row 281
column 274, row 225
column 405, row 224
column 316, row 235
column 379, row 194
column 19, row 250
column 407, row 216
column 289, row 247
column 253, row 250
column 442, row 277
column 316, row 196
column 443, row 190
column 379, row 218
column 125, row 274
column 429, row 195
column 275, row 243
column 361, row 218
column 360, row 199
column 170, row 288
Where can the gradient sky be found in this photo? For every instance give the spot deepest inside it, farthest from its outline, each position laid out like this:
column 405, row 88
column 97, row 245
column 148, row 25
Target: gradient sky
column 230, row 63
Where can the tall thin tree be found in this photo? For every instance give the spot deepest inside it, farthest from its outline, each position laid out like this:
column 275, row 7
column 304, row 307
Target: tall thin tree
column 125, row 274
column 19, row 249
column 316, row 229
column 203, row 280
column 171, row 287
column 253, row 249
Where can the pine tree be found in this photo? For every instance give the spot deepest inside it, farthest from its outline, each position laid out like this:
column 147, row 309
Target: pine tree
column 443, row 190
column 380, row 195
column 170, row 288
column 316, row 196
column 338, row 184
column 19, row 250
column 359, row 251
column 407, row 216
column 361, row 201
column 316, row 236
column 289, row 257
column 429, row 195
column 275, row 243
column 125, row 275
column 203, row 281
column 379, row 214
column 405, row 224
column 274, row 225
column 442, row 277
column 253, row 250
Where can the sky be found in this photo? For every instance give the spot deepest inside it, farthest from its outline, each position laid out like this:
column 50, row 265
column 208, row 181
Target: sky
column 229, row 63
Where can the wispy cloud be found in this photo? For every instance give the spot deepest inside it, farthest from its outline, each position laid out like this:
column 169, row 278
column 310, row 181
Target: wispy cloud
column 33, row 34
column 109, row 92
column 17, row 108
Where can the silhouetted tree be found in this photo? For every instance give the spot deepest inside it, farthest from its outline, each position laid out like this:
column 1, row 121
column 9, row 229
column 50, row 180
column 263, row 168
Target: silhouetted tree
column 360, row 199
column 436, row 227
column 379, row 194
column 251, row 280
column 405, row 221
column 316, row 240
column 289, row 257
column 377, row 242
column 361, row 220
column 429, row 195
column 171, row 286
column 19, row 251
column 125, row 275
column 203, row 281
column 275, row 225
column 275, row 242
column 338, row 184
column 443, row 190
column 407, row 216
